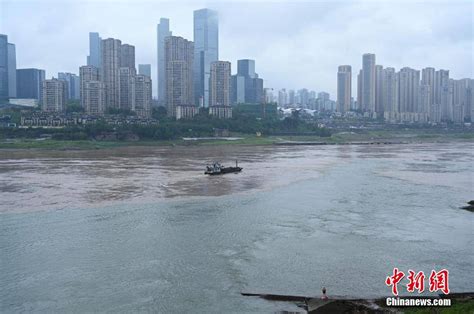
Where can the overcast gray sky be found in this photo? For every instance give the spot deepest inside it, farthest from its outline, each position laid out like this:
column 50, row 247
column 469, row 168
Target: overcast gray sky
column 296, row 44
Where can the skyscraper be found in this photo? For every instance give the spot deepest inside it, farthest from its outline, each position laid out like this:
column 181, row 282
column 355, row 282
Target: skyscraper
column 54, row 95
column 179, row 54
column 282, row 98
column 144, row 69
column 428, row 78
column 142, row 95
column 126, row 88
column 246, row 68
column 379, row 90
column 409, row 89
column 303, row 96
column 3, row 67
column 359, row 91
column 220, row 83
column 428, row 83
column 127, row 56
column 109, row 70
column 162, row 31
column 442, row 95
column 11, row 71
column 94, row 97
column 95, row 54
column 461, row 99
column 344, row 88
column 92, row 90
column 237, row 91
column 246, row 86
column 390, row 94
column 72, row 84
column 291, row 97
column 424, row 98
column 206, row 51
column 368, row 82
column 29, row 83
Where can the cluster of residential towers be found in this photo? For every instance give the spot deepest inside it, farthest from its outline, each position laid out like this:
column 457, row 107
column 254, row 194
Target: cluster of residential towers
column 405, row 96
column 191, row 76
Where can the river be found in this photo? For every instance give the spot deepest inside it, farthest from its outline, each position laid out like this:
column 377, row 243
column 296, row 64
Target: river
column 142, row 228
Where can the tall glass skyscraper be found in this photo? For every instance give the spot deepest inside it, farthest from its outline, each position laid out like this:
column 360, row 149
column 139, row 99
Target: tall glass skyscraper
column 162, row 31
column 94, row 57
column 206, row 51
column 29, row 83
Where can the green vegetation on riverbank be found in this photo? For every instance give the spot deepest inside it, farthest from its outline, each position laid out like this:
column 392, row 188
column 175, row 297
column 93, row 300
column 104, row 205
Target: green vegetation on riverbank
column 415, row 136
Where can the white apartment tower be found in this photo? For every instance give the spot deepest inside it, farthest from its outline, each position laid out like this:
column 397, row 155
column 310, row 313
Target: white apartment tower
column 344, row 88
column 219, row 87
column 54, row 95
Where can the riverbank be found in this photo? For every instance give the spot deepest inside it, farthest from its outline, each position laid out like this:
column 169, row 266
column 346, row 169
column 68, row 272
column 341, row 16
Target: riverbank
column 459, row 303
column 355, row 138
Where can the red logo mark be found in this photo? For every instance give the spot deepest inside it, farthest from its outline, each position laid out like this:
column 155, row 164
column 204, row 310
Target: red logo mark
column 394, row 280
column 439, row 281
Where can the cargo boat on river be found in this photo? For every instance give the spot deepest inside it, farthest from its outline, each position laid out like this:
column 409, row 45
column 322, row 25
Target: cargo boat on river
column 216, row 169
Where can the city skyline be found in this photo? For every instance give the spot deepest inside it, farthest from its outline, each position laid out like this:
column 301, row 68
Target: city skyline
column 275, row 45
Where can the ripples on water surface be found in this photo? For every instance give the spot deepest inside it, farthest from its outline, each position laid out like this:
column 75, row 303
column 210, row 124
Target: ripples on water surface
column 143, row 229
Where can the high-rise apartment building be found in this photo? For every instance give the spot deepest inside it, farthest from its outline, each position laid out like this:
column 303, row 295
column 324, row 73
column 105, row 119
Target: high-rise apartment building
column 95, row 54
column 443, row 95
column 92, row 90
column 359, row 91
column 220, row 83
column 162, row 31
column 4, row 91
column 282, row 98
column 390, row 94
column 424, row 99
column 379, row 90
column 179, row 56
column 344, row 88
column 368, row 83
column 126, row 88
column 428, row 78
column 127, row 56
column 29, row 83
column 291, row 97
column 11, row 71
column 109, row 70
column 142, row 97
column 206, row 51
column 94, row 97
column 409, row 89
column 54, row 95
column 303, row 97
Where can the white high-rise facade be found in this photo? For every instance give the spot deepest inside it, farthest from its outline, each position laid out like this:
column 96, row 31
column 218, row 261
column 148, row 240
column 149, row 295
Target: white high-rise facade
column 409, row 84
column 179, row 54
column 54, row 95
column 344, row 88
column 219, row 88
column 379, row 90
column 368, row 83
